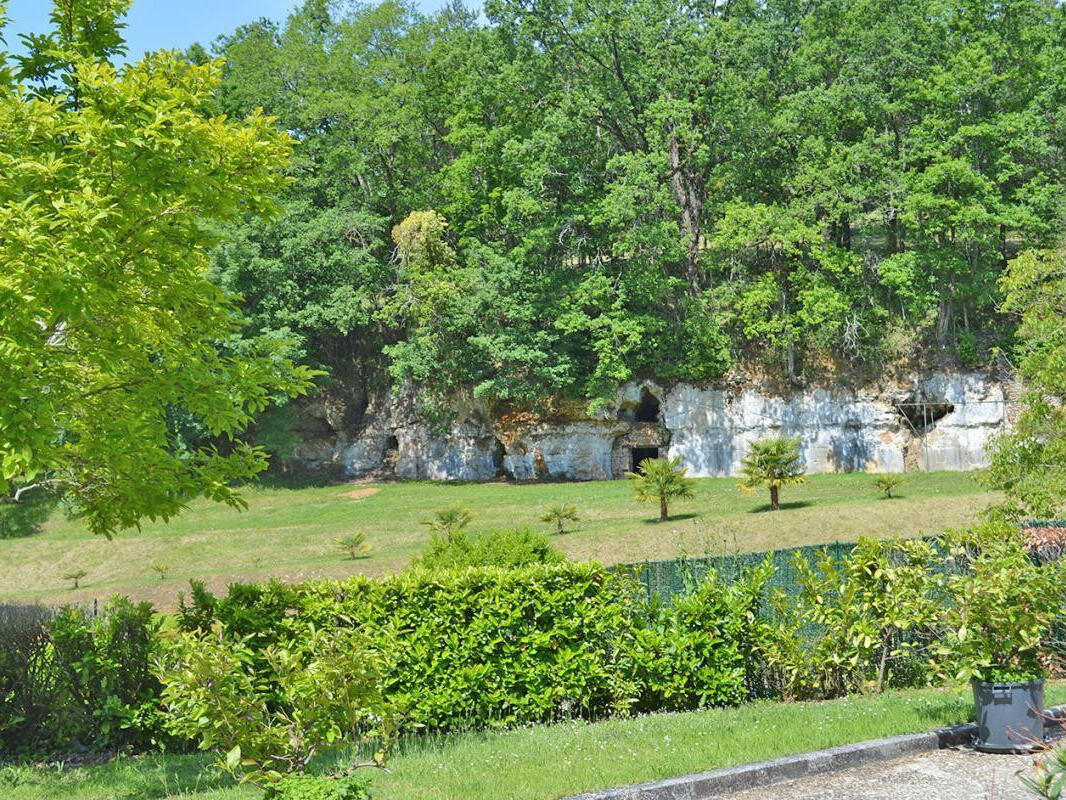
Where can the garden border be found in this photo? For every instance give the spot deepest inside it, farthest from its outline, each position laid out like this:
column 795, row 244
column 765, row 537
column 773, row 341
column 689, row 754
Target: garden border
column 721, row 782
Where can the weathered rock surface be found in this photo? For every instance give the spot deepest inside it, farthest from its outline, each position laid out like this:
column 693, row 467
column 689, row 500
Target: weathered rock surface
column 940, row 422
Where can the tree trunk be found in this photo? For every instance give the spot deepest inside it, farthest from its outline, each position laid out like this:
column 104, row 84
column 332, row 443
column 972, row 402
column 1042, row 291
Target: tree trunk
column 663, row 516
column 775, row 504
column 687, row 195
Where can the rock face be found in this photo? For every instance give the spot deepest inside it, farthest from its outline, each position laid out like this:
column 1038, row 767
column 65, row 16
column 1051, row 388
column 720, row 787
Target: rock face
column 939, row 422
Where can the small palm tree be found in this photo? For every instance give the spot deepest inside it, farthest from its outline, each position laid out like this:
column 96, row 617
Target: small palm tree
column 450, row 520
column 661, row 479
column 74, row 575
column 160, row 569
column 773, row 462
column 355, row 545
column 560, row 515
column 887, row 483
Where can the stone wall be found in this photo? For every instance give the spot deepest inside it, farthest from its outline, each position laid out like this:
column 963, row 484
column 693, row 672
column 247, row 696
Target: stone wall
column 937, row 422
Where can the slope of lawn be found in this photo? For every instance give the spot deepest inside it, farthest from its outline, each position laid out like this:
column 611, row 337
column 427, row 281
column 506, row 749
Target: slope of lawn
column 292, row 533
column 542, row 763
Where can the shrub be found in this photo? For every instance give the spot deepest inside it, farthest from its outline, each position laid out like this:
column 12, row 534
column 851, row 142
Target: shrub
column 515, row 547
column 75, row 576
column 855, row 619
column 559, row 515
column 312, row 787
column 355, row 546
column 484, row 647
column 888, row 483
column 449, row 521
column 70, row 676
column 267, row 714
column 701, row 652
column 1003, row 607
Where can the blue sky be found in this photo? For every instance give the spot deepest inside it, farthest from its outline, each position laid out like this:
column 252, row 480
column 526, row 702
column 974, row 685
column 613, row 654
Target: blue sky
column 153, row 24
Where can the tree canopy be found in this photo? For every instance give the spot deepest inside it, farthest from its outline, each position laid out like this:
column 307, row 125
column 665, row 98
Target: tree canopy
column 115, row 180
column 641, row 188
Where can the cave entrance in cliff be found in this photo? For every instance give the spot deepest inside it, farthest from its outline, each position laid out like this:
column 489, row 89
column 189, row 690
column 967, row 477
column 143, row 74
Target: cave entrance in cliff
column 922, row 415
column 638, row 454
column 648, row 408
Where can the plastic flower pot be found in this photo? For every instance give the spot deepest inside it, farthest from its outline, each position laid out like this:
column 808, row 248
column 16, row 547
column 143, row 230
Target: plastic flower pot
column 1009, row 715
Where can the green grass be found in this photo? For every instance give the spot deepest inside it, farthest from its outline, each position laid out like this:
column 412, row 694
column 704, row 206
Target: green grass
column 540, row 763
column 291, row 533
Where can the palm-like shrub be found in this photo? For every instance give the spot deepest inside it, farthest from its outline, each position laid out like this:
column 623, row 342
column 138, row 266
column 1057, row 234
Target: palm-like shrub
column 355, row 545
column 449, row 521
column 559, row 515
column 886, row 484
column 663, row 480
column 772, row 463
column 74, row 575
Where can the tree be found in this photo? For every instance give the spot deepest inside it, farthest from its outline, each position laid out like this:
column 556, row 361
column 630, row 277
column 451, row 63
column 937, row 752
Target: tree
column 1029, row 462
column 661, row 479
column 773, row 462
column 115, row 180
column 560, row 514
column 449, row 521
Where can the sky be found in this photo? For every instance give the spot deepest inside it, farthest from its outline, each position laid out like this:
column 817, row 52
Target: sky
column 153, row 24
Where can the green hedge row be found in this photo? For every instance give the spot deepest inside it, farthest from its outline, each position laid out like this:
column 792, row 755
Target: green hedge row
column 490, row 647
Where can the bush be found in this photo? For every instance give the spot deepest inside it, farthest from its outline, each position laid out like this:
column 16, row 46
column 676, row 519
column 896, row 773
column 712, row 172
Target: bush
column 267, row 714
column 70, row 676
column 503, row 548
column 312, row 787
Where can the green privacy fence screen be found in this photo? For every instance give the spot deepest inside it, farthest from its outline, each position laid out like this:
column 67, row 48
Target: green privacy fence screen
column 666, row 580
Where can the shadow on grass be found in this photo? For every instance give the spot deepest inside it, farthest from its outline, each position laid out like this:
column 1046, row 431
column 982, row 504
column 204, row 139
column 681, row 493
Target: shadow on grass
column 25, row 519
column 784, row 506
column 672, row 518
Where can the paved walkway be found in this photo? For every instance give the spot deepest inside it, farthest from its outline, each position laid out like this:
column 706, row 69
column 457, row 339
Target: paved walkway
column 961, row 774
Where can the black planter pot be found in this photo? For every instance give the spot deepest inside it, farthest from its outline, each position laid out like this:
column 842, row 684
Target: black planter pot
column 1009, row 716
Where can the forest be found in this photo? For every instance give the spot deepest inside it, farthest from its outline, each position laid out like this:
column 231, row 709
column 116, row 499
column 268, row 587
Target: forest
column 550, row 197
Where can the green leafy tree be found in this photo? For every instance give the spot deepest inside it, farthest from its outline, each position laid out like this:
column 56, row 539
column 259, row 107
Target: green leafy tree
column 773, row 463
column 1029, row 462
column 559, row 515
column 75, row 576
column 663, row 480
column 114, row 180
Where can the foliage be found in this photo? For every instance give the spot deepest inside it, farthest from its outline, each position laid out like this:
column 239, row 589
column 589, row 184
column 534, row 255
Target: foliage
column 161, row 568
column 114, row 181
column 507, row 547
column 661, row 479
column 1003, row 606
column 314, row 787
column 71, row 676
column 74, row 575
column 1029, row 462
column 355, row 545
column 450, row 521
column 267, row 713
column 615, row 191
column 855, row 619
column 773, row 463
column 559, row 514
column 888, row 483
column 701, row 652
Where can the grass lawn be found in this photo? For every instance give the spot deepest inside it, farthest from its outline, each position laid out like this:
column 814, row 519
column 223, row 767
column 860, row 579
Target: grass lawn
column 291, row 533
column 553, row 761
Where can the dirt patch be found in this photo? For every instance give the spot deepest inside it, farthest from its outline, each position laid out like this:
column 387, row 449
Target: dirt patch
column 360, row 494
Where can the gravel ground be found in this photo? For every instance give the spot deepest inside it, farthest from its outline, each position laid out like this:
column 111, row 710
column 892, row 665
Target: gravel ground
column 961, row 774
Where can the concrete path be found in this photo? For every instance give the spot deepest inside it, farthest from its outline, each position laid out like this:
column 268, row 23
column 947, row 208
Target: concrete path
column 956, row 774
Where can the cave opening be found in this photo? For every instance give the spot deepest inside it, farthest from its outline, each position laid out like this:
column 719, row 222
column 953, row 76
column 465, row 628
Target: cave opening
column 648, row 408
column 638, row 454
column 921, row 415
